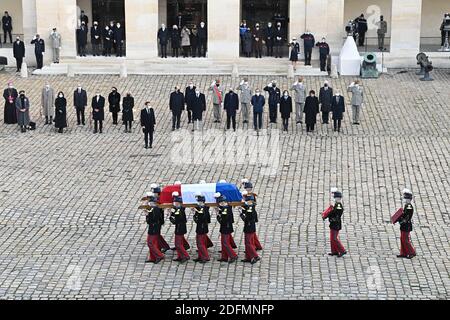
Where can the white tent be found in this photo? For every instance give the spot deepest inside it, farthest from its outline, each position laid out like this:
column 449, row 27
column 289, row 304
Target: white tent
column 349, row 59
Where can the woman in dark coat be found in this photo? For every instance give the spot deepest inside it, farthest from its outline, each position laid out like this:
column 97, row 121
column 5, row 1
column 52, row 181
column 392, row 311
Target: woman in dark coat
column 60, row 112
column 175, row 41
column 10, row 94
column 114, row 104
column 127, row 112
column 285, row 109
column 311, row 110
column 295, row 50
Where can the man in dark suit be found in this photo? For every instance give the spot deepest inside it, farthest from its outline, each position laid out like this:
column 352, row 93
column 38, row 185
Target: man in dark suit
column 96, row 39
column 325, row 99
column 198, row 107
column 119, row 39
column 98, row 112
column 176, row 106
column 338, row 109
column 19, row 52
column 231, row 105
column 163, row 36
column 274, row 100
column 84, row 18
column 82, row 39
column 148, row 122
column 7, row 26
column 202, row 39
column 39, row 50
column 80, row 103
column 189, row 94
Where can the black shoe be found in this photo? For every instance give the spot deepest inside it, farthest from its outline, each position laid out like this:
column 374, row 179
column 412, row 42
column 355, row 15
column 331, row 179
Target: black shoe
column 222, row 260
column 173, row 249
column 163, row 250
column 158, row 260
column 245, row 260
column 410, row 256
column 176, row 260
column 401, row 256
column 184, row 260
column 148, row 261
column 233, row 260
column 332, row 254
column 146, row 147
column 95, row 131
column 151, row 147
column 255, row 260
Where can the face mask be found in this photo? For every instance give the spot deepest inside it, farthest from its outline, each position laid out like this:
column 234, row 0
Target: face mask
column 258, row 93
column 269, row 25
column 191, row 86
column 286, row 95
column 325, row 85
column 22, row 95
column 274, row 85
column 61, row 96
column 10, row 86
column 128, row 95
column 197, row 92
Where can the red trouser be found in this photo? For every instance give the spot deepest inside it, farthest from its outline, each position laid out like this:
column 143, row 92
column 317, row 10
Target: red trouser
column 202, row 244
column 406, row 248
column 227, row 250
column 163, row 243
column 250, row 246
column 232, row 243
column 336, row 245
column 180, row 245
column 153, row 246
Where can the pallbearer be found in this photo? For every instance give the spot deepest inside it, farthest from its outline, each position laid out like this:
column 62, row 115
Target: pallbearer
column 178, row 218
column 202, row 218
column 250, row 218
column 334, row 214
column 156, row 190
column 226, row 220
column 405, row 220
column 154, row 228
column 248, row 187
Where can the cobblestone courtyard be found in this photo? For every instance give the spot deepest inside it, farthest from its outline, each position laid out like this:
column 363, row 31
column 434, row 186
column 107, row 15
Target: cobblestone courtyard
column 70, row 228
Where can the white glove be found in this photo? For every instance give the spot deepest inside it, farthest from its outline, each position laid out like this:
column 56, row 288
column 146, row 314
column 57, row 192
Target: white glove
column 43, row 53
column 34, row 38
column 242, row 82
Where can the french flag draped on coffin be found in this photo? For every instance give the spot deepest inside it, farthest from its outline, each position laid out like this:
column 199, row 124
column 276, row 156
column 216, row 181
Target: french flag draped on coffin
column 188, row 192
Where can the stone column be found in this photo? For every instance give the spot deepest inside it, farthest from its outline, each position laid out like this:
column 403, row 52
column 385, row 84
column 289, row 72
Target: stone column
column 223, row 29
column 141, row 19
column 335, row 25
column 29, row 29
column 60, row 14
column 297, row 18
column 162, row 12
column 405, row 28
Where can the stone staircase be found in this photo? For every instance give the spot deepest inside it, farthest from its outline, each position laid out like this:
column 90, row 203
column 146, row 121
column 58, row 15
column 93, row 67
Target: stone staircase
column 174, row 66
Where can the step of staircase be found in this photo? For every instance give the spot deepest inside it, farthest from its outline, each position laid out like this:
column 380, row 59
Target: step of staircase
column 174, row 66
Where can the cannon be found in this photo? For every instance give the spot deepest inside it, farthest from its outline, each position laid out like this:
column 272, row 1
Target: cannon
column 3, row 62
column 369, row 66
column 426, row 66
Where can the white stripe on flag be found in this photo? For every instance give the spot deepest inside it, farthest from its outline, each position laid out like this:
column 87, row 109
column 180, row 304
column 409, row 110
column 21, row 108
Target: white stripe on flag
column 188, row 192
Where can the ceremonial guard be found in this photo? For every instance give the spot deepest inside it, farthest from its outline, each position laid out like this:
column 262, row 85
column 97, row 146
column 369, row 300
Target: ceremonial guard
column 189, row 94
column 324, row 51
column 156, row 190
column 334, row 216
column 274, row 100
column 250, row 218
column 248, row 189
column 202, row 218
column 153, row 219
column 178, row 218
column 406, row 248
column 114, row 104
column 308, row 45
column 226, row 220
column 47, row 100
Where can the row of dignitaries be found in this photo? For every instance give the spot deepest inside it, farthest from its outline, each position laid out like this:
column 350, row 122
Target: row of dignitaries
column 201, row 214
column 111, row 37
column 54, row 108
column 307, row 104
column 192, row 41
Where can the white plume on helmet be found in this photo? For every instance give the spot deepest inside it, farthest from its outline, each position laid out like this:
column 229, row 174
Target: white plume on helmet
column 217, row 195
column 175, row 194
